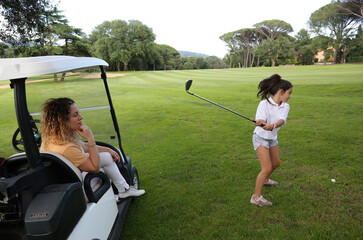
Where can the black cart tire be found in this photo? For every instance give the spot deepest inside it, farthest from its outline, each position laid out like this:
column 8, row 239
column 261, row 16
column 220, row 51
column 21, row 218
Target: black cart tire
column 135, row 177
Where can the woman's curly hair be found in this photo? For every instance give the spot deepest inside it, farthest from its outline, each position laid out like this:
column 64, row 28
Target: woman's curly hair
column 55, row 115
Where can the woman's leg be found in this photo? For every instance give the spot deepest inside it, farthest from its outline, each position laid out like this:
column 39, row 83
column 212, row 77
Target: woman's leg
column 266, row 166
column 112, row 171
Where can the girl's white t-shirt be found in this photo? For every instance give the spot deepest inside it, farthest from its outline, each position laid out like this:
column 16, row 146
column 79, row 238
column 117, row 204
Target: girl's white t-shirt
column 271, row 112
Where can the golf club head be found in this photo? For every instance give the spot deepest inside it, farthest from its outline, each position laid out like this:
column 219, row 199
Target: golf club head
column 188, row 84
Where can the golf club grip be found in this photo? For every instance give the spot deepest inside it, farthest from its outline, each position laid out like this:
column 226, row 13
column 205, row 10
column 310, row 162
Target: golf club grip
column 262, row 125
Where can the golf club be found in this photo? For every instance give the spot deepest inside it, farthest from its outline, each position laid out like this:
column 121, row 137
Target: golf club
column 188, row 84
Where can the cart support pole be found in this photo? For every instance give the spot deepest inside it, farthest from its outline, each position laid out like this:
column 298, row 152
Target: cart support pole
column 112, row 110
column 24, row 123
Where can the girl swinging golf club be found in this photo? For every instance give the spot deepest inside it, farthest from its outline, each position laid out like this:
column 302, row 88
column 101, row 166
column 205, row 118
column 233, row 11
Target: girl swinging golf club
column 271, row 114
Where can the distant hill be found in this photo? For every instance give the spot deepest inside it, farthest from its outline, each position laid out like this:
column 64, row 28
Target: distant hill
column 192, row 54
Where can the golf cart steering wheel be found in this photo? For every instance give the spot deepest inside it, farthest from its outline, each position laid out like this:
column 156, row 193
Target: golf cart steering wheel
column 16, row 142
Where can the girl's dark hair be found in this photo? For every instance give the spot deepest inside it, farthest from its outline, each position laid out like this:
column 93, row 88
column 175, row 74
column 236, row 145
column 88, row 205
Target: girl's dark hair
column 270, row 86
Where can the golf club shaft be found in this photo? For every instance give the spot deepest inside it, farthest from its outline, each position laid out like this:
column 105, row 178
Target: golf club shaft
column 221, row 106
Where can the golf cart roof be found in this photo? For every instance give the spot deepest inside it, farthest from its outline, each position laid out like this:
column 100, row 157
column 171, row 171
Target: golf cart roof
column 15, row 68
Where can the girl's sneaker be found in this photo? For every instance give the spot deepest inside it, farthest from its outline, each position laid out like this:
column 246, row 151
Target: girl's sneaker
column 271, row 183
column 260, row 201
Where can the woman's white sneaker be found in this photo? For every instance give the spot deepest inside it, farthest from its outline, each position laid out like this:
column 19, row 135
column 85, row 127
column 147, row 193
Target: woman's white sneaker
column 131, row 192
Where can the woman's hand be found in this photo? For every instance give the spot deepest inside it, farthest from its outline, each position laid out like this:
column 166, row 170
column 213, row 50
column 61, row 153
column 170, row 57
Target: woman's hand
column 85, row 132
column 115, row 156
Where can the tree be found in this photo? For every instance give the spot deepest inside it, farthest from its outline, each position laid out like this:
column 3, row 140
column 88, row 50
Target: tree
column 282, row 47
column 154, row 57
column 323, row 43
column 75, row 43
column 258, row 38
column 354, row 7
column 330, row 20
column 142, row 41
column 120, row 42
column 188, row 66
column 246, row 38
column 233, row 46
column 272, row 30
column 3, row 48
column 194, row 63
column 356, row 52
column 200, row 63
column 110, row 42
column 169, row 55
column 25, row 21
column 215, row 62
column 304, row 48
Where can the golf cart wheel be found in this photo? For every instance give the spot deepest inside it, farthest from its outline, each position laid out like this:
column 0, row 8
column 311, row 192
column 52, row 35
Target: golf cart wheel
column 135, row 177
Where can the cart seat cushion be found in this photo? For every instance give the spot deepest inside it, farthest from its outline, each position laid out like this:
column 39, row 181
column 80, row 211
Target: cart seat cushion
column 97, row 184
column 67, row 162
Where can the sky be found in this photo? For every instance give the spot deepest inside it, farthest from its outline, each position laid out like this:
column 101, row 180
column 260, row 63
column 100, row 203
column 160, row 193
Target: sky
column 190, row 25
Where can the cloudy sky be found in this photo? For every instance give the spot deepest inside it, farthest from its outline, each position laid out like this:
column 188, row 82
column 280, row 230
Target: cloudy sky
column 190, row 25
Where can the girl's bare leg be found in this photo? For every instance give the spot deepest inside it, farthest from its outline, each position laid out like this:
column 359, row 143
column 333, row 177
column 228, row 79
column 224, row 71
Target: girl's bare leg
column 275, row 160
column 266, row 166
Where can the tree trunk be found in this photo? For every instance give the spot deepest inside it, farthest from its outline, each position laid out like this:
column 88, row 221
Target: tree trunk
column 126, row 66
column 335, row 55
column 245, row 60
column 55, row 77
column 253, row 59
column 118, row 66
column 248, row 56
column 66, row 48
column 63, row 76
column 274, row 60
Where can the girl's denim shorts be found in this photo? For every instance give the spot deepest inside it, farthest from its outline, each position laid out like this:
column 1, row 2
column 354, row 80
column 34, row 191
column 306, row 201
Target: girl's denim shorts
column 267, row 143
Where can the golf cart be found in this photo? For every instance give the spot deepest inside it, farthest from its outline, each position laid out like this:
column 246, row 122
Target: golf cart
column 42, row 194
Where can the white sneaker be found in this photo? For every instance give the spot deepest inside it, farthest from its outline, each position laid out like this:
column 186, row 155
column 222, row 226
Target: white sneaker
column 271, row 183
column 131, row 192
column 260, row 201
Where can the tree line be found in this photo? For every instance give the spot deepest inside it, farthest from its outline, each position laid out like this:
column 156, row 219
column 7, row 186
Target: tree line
column 336, row 26
column 38, row 28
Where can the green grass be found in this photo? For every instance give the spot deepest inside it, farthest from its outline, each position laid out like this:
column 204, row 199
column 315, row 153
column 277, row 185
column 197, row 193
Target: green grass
column 198, row 167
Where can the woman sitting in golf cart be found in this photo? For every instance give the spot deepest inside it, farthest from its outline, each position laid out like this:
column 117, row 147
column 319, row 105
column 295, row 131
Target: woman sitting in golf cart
column 61, row 124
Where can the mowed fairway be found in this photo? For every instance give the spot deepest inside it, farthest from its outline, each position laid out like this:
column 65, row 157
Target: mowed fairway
column 198, row 167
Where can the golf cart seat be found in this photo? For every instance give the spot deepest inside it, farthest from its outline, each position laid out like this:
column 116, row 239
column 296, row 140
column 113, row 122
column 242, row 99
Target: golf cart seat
column 18, row 163
column 93, row 187
column 95, row 184
column 72, row 170
column 53, row 208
